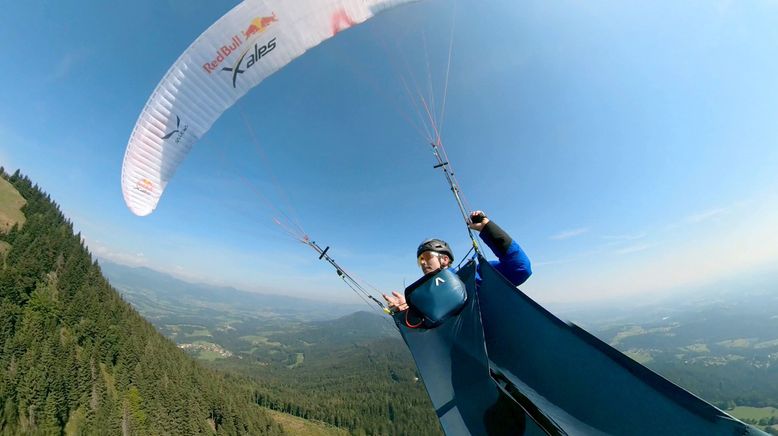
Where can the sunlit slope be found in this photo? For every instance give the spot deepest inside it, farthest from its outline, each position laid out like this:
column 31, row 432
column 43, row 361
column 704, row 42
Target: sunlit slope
column 298, row 426
column 10, row 206
column 10, row 210
column 76, row 358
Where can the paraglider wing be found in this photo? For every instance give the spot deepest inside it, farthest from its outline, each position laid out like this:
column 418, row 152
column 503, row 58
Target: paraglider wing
column 246, row 45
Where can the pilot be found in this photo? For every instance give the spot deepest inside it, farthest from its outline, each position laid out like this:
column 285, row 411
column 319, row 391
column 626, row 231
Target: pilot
column 435, row 254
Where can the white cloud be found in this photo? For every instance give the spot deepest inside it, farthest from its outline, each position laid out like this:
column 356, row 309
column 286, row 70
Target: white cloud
column 704, row 216
column 635, row 248
column 129, row 259
column 699, row 217
column 567, row 234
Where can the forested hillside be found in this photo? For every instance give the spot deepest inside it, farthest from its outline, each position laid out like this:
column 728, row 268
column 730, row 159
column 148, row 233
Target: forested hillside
column 76, row 358
column 353, row 371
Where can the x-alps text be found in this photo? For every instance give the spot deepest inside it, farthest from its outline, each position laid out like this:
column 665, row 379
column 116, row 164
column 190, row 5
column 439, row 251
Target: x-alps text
column 260, row 50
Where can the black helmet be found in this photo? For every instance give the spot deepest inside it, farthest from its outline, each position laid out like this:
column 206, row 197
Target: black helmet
column 436, row 245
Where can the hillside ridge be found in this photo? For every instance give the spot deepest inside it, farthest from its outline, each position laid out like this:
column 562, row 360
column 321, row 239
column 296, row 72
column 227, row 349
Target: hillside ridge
column 76, row 358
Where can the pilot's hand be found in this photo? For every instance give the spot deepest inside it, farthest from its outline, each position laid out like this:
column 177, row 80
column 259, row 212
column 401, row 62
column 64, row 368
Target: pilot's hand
column 474, row 216
column 396, row 301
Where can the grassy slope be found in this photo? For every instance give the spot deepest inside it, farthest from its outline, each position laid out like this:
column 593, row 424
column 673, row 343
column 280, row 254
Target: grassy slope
column 10, row 206
column 299, row 426
column 10, row 210
column 757, row 413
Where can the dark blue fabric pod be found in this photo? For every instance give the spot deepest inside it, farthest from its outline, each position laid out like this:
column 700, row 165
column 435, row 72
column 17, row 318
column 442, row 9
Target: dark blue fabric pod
column 436, row 296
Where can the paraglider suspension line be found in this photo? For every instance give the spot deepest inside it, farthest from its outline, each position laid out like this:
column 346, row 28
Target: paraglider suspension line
column 465, row 258
column 350, row 281
column 452, row 183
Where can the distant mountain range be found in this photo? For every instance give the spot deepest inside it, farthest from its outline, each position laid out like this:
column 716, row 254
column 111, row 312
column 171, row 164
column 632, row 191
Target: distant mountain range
column 745, row 293
column 157, row 294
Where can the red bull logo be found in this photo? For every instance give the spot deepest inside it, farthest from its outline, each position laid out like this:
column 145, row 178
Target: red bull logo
column 145, row 186
column 259, row 25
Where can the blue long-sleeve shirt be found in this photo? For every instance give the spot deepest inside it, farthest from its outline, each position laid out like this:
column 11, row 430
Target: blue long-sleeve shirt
column 512, row 262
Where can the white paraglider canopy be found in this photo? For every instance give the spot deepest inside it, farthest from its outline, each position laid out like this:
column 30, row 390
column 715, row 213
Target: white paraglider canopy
column 249, row 43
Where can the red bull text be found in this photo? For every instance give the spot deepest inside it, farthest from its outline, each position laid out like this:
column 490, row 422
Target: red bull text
column 222, row 54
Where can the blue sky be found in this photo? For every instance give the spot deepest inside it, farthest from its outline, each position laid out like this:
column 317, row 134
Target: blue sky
column 630, row 147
